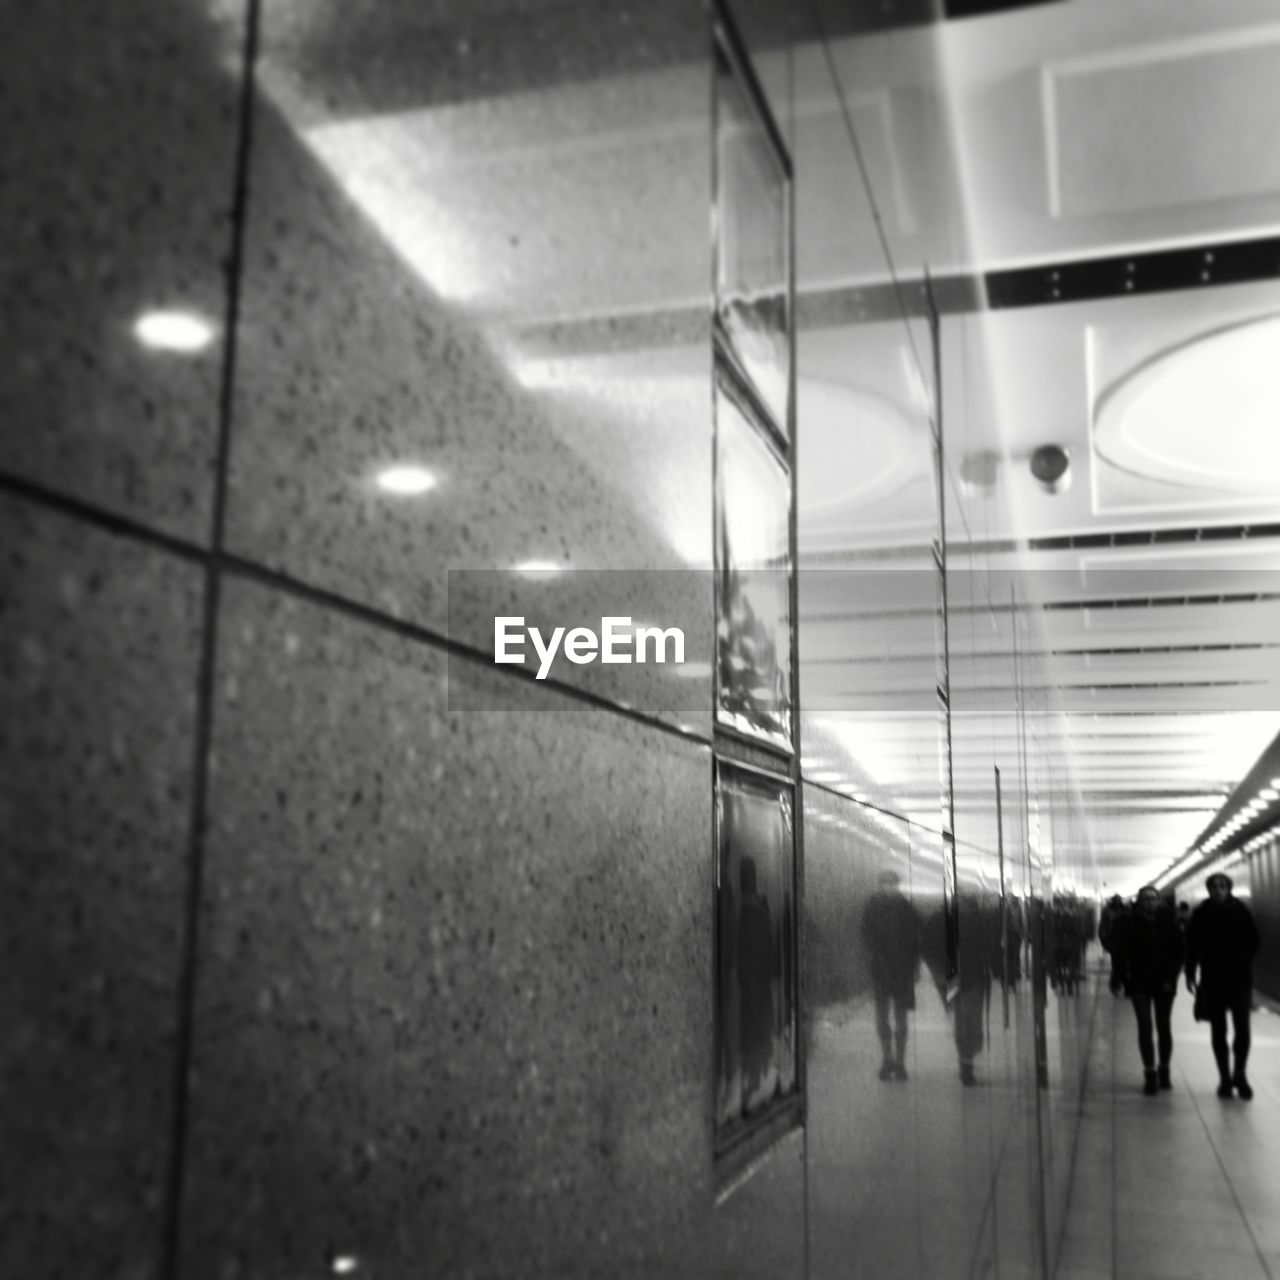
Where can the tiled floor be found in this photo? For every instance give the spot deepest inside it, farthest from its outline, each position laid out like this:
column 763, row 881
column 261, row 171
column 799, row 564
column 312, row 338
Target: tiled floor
column 1181, row 1186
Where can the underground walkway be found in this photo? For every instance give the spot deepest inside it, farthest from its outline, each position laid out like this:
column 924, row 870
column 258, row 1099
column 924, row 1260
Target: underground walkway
column 1182, row 1185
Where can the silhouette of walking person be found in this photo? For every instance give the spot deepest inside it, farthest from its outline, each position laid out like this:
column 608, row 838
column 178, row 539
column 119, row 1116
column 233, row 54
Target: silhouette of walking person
column 891, row 931
column 978, row 959
column 1115, row 918
column 757, row 968
column 1222, row 940
column 1150, row 961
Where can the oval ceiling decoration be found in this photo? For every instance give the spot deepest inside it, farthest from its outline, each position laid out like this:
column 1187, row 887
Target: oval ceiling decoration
column 1205, row 414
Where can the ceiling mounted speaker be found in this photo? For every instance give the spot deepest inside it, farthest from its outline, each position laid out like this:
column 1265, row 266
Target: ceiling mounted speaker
column 1051, row 467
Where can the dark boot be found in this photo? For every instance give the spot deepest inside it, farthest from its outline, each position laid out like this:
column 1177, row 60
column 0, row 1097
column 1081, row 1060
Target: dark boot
column 1224, row 1088
column 1150, row 1083
column 966, row 1073
column 886, row 1070
column 1163, row 1075
column 1242, row 1086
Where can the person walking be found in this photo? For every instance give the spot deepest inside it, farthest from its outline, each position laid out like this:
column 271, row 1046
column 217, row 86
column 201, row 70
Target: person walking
column 1115, row 915
column 891, row 930
column 1151, row 957
column 1222, row 940
column 979, row 960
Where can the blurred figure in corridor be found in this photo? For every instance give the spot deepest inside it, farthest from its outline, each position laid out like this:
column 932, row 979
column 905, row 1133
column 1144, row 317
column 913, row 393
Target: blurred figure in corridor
column 1150, row 962
column 979, row 960
column 757, row 969
column 891, row 931
column 1222, row 940
column 1115, row 916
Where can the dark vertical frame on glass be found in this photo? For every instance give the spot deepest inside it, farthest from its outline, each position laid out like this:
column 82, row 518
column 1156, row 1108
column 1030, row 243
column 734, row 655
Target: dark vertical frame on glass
column 950, row 871
column 758, row 1078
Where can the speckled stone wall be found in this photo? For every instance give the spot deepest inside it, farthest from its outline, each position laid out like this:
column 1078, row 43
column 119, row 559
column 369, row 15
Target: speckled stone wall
column 119, row 169
column 317, row 969
column 97, row 715
column 457, row 960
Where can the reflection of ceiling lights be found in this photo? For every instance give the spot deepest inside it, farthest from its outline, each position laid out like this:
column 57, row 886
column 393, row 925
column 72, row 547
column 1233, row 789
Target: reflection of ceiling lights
column 406, row 480
column 979, row 471
column 1200, row 414
column 858, row 447
column 184, row 332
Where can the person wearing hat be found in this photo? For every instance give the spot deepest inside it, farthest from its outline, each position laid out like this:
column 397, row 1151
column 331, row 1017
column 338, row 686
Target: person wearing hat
column 1222, row 940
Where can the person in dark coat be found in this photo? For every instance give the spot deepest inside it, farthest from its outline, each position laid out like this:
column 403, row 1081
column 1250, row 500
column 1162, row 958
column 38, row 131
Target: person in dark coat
column 891, row 931
column 757, row 969
column 1150, row 962
column 979, row 959
column 1012, row 949
column 1184, row 919
column 1115, row 916
column 1222, row 940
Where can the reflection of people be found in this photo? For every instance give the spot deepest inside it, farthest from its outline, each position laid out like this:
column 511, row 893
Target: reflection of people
column 891, row 931
column 756, row 971
column 1013, row 943
column 1068, row 945
column 979, row 952
column 728, row 993
column 1222, row 940
column 1150, row 961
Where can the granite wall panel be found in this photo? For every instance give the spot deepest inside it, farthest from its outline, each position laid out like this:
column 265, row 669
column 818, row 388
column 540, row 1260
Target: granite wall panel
column 99, row 638
column 122, row 126
column 453, row 1008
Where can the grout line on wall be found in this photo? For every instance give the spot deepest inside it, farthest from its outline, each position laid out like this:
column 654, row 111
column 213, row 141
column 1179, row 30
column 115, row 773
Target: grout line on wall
column 223, row 563
column 124, row 526
column 171, row 1242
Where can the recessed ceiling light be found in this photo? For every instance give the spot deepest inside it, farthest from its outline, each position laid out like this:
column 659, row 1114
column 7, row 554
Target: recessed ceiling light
column 406, row 480
column 184, row 332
